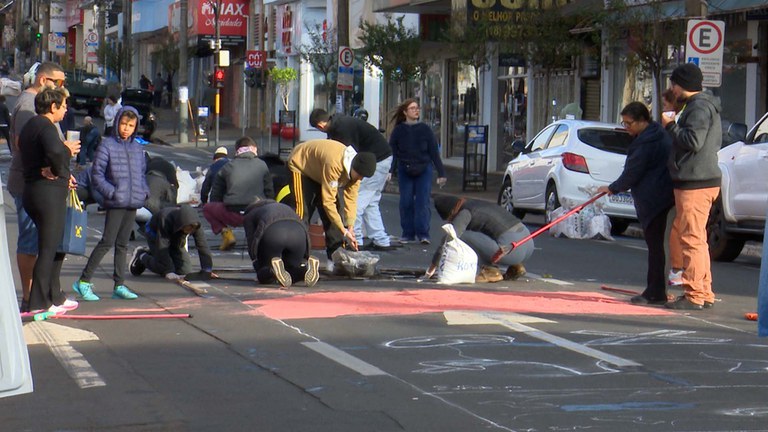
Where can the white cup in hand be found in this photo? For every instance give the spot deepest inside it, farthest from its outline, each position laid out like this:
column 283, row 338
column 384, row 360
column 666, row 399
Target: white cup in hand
column 73, row 135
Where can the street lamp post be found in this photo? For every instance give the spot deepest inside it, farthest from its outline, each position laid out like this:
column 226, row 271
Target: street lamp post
column 217, row 52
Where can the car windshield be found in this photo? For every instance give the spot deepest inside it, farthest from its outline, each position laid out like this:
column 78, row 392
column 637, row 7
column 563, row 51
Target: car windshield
column 610, row 140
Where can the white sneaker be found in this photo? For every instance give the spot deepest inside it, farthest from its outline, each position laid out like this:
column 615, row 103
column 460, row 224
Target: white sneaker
column 56, row 310
column 675, row 278
column 69, row 305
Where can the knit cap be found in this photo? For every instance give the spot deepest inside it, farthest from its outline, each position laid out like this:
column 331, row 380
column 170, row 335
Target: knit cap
column 688, row 76
column 365, row 164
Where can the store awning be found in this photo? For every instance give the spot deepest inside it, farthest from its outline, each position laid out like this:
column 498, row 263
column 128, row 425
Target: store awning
column 436, row 7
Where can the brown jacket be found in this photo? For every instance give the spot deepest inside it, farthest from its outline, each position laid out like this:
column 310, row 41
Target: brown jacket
column 328, row 162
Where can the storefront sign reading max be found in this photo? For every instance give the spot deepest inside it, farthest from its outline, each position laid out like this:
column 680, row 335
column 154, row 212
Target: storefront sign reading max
column 502, row 16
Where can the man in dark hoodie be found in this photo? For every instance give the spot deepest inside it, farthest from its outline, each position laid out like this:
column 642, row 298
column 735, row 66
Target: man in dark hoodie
column 485, row 227
column 696, row 138
column 167, row 234
column 278, row 244
column 236, row 185
column 646, row 175
column 363, row 137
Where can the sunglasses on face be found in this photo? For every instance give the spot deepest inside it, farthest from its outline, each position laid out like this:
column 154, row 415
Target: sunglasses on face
column 57, row 81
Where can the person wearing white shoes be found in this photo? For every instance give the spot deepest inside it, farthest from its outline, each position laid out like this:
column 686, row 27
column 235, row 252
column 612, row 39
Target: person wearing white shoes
column 45, row 161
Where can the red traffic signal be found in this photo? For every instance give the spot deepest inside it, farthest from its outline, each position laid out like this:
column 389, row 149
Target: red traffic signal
column 218, row 78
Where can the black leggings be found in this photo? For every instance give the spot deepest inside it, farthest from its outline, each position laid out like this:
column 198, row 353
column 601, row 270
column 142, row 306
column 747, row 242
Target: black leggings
column 117, row 232
column 46, row 203
column 656, row 279
column 285, row 239
column 308, row 196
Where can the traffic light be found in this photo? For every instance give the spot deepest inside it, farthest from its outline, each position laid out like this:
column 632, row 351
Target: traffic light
column 218, row 78
column 252, row 77
column 38, row 36
column 209, row 80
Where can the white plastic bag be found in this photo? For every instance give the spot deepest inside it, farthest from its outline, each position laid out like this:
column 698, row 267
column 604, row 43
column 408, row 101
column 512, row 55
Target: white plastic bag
column 354, row 263
column 187, row 186
column 458, row 264
column 9, row 87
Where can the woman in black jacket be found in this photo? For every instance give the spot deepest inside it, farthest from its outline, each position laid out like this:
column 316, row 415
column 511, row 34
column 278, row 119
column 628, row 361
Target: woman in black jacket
column 45, row 158
column 646, row 175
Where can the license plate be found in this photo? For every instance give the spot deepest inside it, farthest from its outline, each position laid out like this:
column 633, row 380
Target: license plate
column 621, row 198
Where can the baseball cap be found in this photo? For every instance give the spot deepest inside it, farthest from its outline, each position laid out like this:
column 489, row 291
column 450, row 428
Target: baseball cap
column 221, row 151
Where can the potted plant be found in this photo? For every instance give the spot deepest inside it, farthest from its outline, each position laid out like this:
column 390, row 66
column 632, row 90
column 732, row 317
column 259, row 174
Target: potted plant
column 284, row 79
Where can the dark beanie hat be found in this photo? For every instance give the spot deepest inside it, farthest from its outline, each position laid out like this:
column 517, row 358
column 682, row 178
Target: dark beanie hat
column 365, row 164
column 687, row 76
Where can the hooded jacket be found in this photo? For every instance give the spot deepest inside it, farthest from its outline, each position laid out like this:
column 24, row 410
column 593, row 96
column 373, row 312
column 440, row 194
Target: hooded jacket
column 261, row 215
column 165, row 230
column 696, row 138
column 646, row 174
column 118, row 169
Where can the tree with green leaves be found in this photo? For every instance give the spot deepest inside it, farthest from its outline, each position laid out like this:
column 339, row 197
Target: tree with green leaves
column 117, row 60
column 284, row 78
column 648, row 37
column 544, row 37
column 393, row 48
column 322, row 53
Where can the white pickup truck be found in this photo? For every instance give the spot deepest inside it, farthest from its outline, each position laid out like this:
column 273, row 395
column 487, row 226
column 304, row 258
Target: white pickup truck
column 739, row 214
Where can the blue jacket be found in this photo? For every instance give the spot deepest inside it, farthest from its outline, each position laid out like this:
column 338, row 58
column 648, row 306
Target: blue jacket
column 414, row 144
column 646, row 173
column 118, row 169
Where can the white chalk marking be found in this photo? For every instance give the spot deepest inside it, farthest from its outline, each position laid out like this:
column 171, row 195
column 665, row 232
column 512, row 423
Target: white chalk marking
column 513, row 324
column 344, row 359
column 547, row 280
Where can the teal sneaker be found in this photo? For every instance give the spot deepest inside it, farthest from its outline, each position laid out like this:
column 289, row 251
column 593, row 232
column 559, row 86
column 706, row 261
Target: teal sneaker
column 122, row 292
column 85, row 290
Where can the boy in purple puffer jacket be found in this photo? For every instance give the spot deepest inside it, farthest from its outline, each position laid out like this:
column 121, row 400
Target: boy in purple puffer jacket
column 118, row 175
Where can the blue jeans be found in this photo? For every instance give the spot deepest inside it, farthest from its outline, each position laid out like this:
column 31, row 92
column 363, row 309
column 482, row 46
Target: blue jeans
column 415, row 212
column 762, row 290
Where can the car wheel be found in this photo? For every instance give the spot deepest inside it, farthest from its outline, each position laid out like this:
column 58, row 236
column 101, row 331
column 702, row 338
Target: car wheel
column 505, row 199
column 618, row 226
column 722, row 247
column 552, row 203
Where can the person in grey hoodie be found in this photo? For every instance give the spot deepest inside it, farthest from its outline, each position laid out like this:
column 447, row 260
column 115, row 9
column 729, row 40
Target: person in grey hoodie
column 696, row 138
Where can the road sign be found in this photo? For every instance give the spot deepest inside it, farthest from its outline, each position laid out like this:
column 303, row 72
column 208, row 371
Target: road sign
column 255, row 59
column 704, row 47
column 346, row 56
column 345, row 78
column 91, row 39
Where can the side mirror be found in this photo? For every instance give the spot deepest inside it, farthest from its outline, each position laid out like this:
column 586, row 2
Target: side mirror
column 737, row 131
column 518, row 146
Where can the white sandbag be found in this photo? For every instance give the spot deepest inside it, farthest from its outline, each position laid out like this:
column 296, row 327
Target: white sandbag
column 589, row 223
column 458, row 263
column 9, row 87
column 186, row 192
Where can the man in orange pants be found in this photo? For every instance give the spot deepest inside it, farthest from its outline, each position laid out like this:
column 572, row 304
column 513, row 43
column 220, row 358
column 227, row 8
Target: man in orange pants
column 696, row 138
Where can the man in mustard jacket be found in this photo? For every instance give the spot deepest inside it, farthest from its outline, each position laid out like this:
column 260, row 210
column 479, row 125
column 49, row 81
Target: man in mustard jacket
column 319, row 168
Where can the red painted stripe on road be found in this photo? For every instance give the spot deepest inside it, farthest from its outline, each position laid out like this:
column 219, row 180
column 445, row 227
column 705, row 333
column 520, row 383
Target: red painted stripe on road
column 334, row 304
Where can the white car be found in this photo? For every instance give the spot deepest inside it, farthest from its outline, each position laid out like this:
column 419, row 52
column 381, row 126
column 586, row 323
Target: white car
column 739, row 214
column 565, row 162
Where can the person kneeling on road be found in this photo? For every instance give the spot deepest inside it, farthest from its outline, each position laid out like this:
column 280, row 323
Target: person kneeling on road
column 167, row 235
column 485, row 227
column 278, row 244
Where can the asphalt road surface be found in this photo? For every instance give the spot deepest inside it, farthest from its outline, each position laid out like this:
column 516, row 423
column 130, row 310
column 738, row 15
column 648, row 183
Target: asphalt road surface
column 548, row 352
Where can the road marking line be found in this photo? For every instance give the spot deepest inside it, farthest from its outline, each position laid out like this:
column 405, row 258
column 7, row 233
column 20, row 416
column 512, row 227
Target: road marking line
column 456, row 317
column 57, row 338
column 547, row 280
column 344, row 359
column 513, row 323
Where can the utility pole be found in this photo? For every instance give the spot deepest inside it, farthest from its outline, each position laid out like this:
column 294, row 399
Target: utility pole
column 342, row 32
column 183, row 89
column 217, row 53
column 127, row 57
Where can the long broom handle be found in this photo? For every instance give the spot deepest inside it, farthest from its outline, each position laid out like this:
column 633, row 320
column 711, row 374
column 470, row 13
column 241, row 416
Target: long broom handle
column 505, row 250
